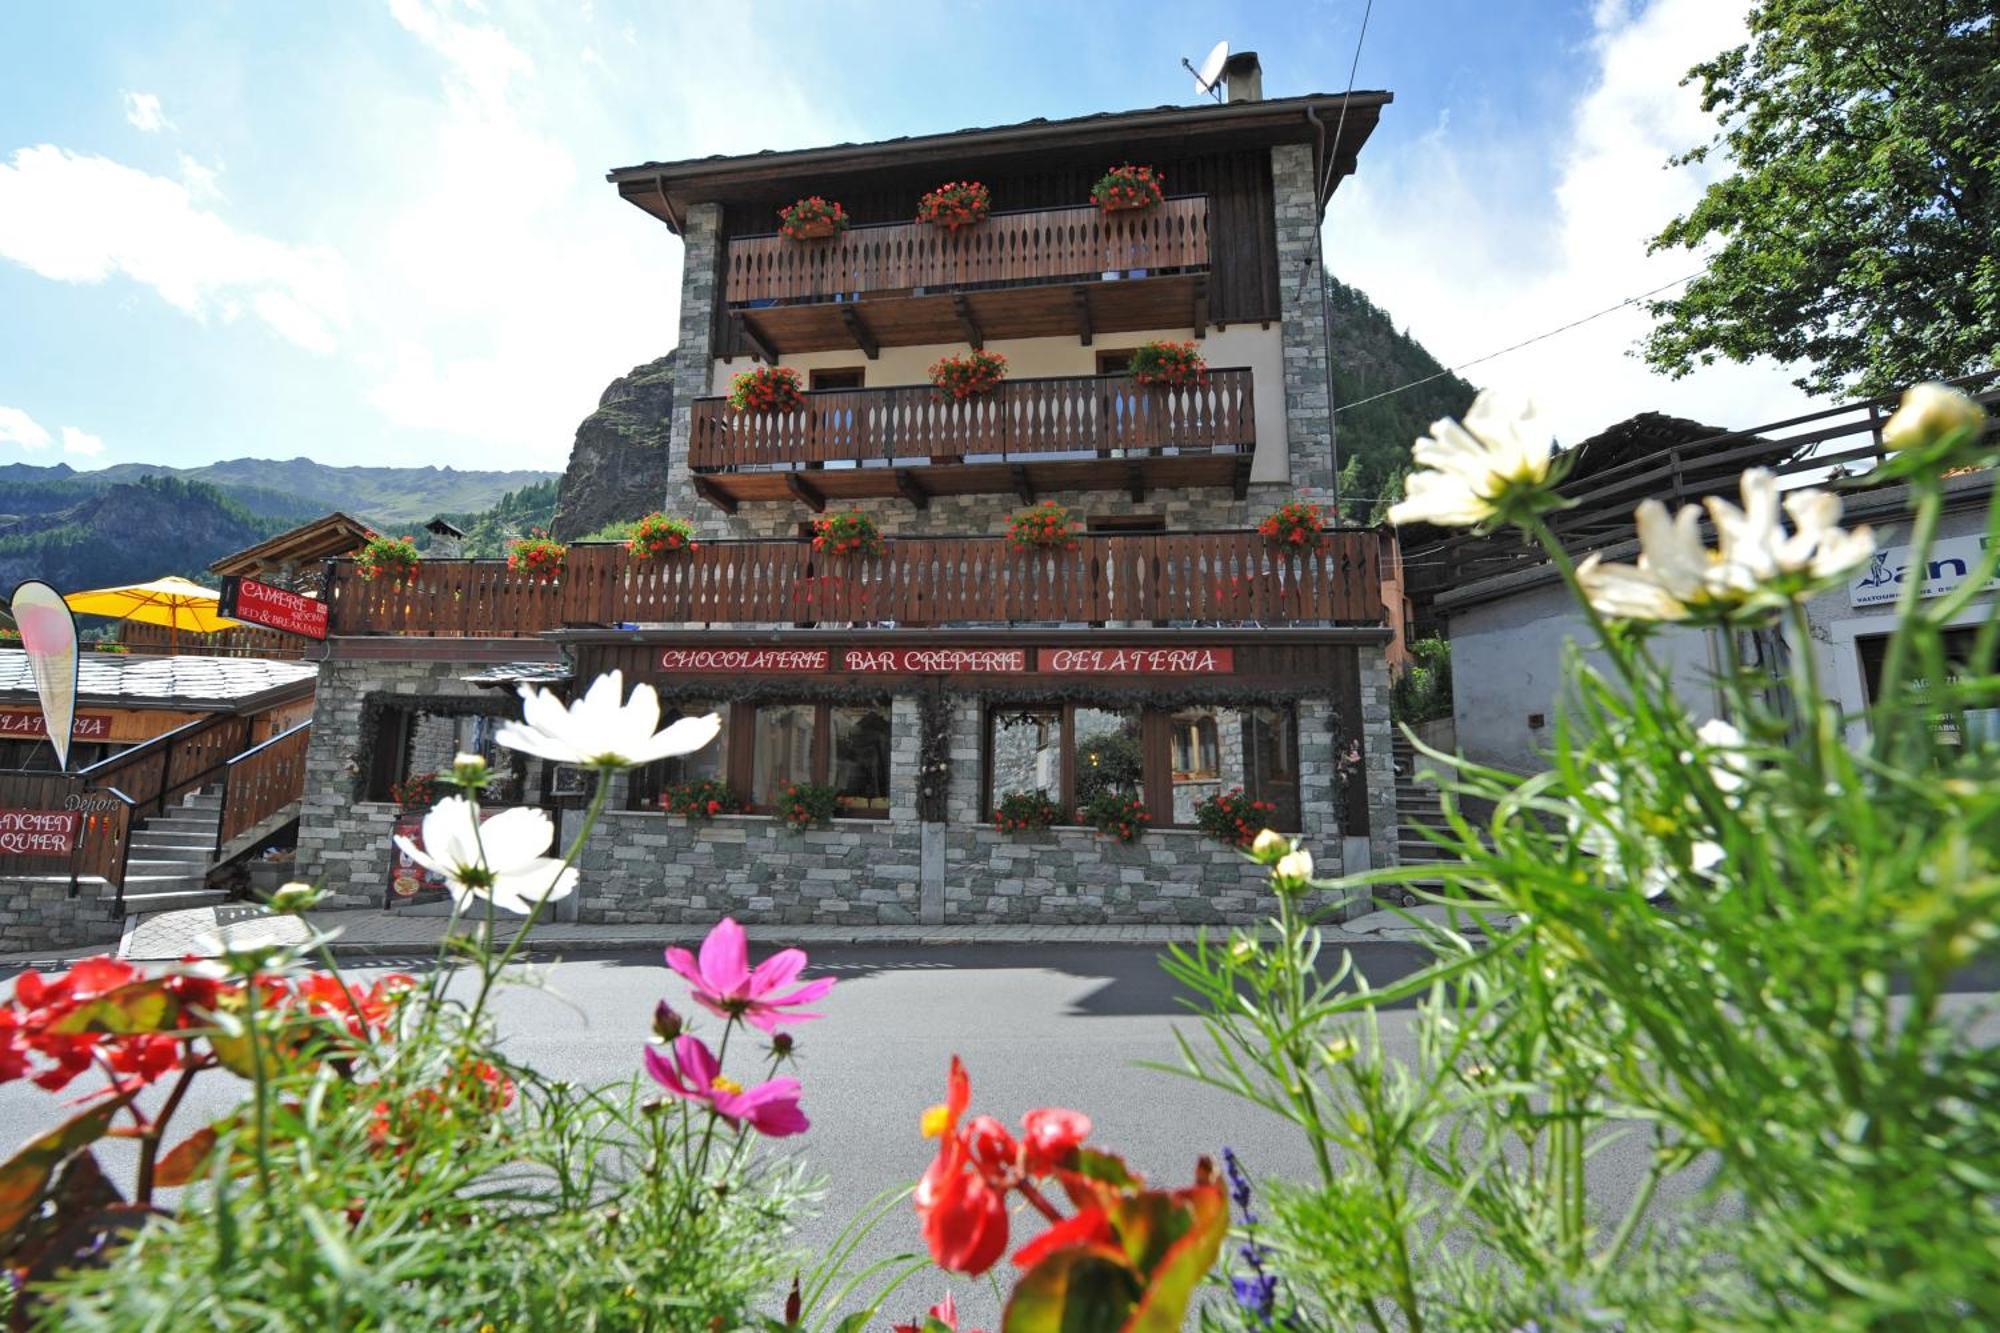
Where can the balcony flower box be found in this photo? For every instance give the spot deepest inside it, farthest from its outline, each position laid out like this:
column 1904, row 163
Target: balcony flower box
column 1295, row 526
column 956, row 204
column 391, row 558
column 1128, row 189
column 538, row 556
column 974, row 374
column 767, row 389
column 1172, row 365
column 811, row 218
column 850, row 534
column 1047, row 526
column 656, row 535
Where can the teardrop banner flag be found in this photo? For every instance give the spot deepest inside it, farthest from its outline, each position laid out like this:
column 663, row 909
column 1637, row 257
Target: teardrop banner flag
column 48, row 633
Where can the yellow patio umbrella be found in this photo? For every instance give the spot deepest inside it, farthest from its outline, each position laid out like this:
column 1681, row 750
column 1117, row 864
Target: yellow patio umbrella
column 172, row 601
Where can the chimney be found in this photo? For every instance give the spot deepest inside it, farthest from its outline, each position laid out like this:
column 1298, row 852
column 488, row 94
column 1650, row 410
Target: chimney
column 1243, row 78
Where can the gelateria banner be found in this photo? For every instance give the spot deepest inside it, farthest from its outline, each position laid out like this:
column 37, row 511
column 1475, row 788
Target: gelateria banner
column 48, row 634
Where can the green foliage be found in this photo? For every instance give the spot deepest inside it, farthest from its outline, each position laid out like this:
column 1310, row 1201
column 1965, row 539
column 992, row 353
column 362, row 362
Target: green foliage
column 1115, row 813
column 804, row 805
column 1374, row 437
column 1422, row 692
column 612, row 532
column 88, row 545
column 1854, row 234
column 1026, row 811
column 703, row 798
column 513, row 516
column 1111, row 761
column 1722, row 953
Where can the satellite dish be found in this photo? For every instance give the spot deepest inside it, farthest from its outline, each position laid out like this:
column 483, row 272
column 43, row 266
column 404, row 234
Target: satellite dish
column 1210, row 73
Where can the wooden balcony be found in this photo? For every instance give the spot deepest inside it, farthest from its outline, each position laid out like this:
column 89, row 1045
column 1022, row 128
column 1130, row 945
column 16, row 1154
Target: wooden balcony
column 1029, row 436
column 930, row 582
column 1038, row 273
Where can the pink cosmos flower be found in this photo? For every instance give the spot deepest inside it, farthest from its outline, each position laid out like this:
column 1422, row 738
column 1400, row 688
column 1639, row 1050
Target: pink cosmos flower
column 727, row 986
column 692, row 1074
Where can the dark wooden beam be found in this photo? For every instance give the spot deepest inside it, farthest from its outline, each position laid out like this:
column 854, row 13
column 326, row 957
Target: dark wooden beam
column 760, row 345
column 1240, row 483
column 806, row 491
column 1021, row 486
column 1135, row 480
column 912, row 489
column 858, row 330
column 963, row 309
column 1201, row 305
column 715, row 495
column 1081, row 296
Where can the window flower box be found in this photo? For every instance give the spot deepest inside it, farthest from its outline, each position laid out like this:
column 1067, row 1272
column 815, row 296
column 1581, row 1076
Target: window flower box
column 1047, row 526
column 538, row 556
column 1026, row 812
column 850, row 534
column 1295, row 526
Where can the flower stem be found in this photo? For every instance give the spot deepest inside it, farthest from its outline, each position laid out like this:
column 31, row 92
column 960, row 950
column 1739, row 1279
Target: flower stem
column 1930, row 505
column 149, row 1145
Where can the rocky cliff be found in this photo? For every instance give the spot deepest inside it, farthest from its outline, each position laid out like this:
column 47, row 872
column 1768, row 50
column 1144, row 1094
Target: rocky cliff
column 618, row 465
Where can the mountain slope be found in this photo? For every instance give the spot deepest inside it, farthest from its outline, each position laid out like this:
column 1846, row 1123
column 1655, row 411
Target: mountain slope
column 618, row 465
column 90, row 544
column 391, row 496
column 1371, row 356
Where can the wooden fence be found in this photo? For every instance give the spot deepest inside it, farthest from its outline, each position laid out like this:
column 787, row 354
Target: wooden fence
column 915, row 582
column 1033, row 245
column 243, row 641
column 1074, row 414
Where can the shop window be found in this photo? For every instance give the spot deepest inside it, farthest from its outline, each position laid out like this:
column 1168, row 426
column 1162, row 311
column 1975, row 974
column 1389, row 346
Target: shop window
column 1026, row 752
column 409, row 740
column 711, row 761
column 1980, row 725
column 782, row 750
column 1172, row 759
column 859, row 764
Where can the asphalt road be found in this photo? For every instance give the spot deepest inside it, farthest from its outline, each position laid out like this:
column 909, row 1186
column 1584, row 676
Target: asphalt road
column 1036, row 1025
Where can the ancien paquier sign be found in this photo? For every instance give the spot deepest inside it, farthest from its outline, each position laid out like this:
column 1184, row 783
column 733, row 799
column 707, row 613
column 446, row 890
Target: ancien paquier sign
column 260, row 604
column 745, row 659
column 936, row 661
column 1137, row 661
column 19, row 723
column 38, row 832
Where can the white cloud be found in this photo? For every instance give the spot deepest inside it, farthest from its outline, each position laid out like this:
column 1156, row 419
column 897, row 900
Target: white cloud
column 508, row 283
column 142, row 110
column 17, row 427
column 81, row 442
column 77, row 218
column 1443, row 237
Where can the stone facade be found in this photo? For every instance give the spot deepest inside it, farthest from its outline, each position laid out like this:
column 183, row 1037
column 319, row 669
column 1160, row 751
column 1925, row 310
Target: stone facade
column 41, row 914
column 1308, row 414
column 343, row 840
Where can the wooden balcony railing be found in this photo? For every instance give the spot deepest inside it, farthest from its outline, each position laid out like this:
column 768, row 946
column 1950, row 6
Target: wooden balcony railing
column 1076, row 414
column 1033, row 246
column 916, row 582
column 262, row 781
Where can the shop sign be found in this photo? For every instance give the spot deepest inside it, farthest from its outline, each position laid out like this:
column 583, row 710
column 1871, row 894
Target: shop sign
column 936, row 661
column 1138, row 661
column 1952, row 561
column 733, row 660
column 25, row 723
column 260, row 604
column 407, row 877
column 38, row 832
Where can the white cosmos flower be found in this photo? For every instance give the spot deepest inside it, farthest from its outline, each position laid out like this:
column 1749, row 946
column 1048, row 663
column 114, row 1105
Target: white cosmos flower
column 502, row 858
column 1722, row 752
column 603, row 729
column 1467, row 471
column 1678, row 577
column 1929, row 413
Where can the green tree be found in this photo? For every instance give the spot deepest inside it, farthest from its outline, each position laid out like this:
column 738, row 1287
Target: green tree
column 1858, row 235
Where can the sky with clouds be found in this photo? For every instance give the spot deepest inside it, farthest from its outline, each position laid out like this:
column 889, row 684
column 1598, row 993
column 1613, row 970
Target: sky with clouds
column 380, row 232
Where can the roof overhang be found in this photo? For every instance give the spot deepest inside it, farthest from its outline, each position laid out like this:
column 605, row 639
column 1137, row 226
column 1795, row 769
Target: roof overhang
column 1336, row 125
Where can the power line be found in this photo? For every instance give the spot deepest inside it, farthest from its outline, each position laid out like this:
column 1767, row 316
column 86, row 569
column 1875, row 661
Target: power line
column 1515, row 347
column 1319, row 252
